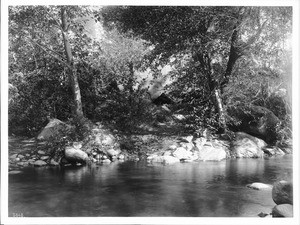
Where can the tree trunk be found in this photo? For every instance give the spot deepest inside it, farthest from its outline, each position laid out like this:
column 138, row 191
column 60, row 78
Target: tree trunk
column 72, row 70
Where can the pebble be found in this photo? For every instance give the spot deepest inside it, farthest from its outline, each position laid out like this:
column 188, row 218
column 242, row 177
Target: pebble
column 41, row 152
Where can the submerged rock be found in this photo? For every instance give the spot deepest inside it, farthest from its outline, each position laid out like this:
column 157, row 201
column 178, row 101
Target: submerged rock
column 283, row 210
column 15, row 172
column 260, row 186
column 282, row 192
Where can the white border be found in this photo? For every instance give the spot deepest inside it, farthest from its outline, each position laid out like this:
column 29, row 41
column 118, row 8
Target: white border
column 146, row 220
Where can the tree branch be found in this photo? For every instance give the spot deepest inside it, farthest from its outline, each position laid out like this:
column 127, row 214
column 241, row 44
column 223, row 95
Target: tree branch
column 44, row 48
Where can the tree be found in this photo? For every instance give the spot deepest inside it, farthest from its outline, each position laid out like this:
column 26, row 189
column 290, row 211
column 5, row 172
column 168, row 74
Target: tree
column 213, row 38
column 49, row 32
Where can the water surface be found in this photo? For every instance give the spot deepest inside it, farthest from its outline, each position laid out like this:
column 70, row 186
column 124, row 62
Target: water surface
column 202, row 189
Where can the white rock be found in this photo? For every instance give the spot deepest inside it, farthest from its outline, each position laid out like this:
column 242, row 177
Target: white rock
column 259, row 186
column 170, row 159
column 182, row 153
column 121, row 157
column 172, row 147
column 208, row 153
column 106, row 161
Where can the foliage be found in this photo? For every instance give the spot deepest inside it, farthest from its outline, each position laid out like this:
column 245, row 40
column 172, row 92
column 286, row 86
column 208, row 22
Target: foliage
column 241, row 51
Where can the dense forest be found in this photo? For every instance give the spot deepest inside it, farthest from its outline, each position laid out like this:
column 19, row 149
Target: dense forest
column 133, row 68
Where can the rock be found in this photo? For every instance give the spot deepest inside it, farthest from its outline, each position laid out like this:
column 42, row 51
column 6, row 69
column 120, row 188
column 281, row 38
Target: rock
column 74, row 155
column 167, row 153
column 44, row 157
column 259, row 186
column 200, row 142
column 282, row 210
column 172, row 147
column 39, row 163
column 21, row 156
column 257, row 121
column 14, row 172
column 247, row 146
column 41, row 152
column 77, row 145
column 170, row 159
column 106, row 161
column 282, row 192
column 211, row 153
column 188, row 146
column 53, row 128
column 53, row 162
column 14, row 156
column 112, row 152
column 155, row 158
column 27, row 155
column 182, row 153
column 121, row 157
column 187, row 139
column 22, row 163
column 262, row 214
column 273, row 151
column 108, row 140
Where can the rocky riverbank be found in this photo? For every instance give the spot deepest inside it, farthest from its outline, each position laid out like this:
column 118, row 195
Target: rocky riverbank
column 102, row 146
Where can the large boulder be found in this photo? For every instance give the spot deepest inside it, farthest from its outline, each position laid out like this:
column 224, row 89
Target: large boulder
column 247, row 146
column 52, row 129
column 282, row 192
column 182, row 153
column 74, row 155
column 210, row 151
column 283, row 210
column 257, row 121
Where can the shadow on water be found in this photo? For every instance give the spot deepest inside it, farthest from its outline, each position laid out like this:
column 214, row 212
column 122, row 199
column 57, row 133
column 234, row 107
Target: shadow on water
column 208, row 189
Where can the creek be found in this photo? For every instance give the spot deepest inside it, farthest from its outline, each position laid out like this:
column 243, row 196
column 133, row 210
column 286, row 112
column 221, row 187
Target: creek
column 197, row 189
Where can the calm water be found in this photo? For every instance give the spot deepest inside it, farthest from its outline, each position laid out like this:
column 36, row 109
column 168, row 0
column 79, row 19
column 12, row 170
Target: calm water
column 208, row 189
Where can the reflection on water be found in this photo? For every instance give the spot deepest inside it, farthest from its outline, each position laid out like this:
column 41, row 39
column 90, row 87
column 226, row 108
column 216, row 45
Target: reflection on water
column 208, row 189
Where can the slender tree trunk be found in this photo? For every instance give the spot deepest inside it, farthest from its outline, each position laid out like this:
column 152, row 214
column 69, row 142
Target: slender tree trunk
column 72, row 70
